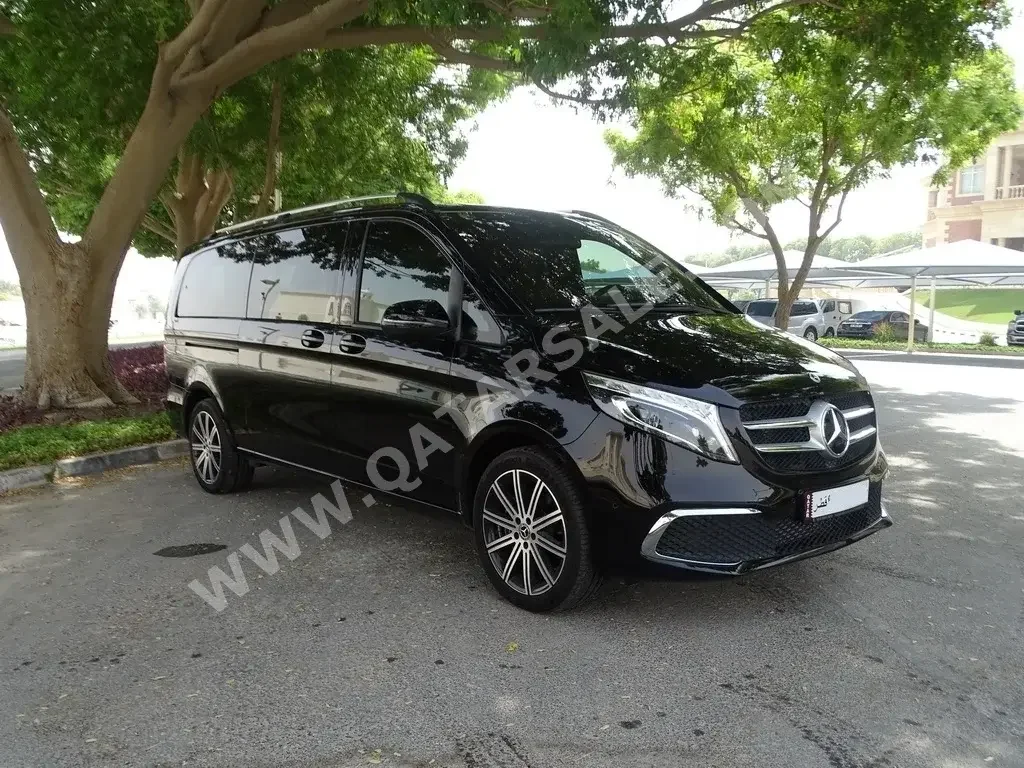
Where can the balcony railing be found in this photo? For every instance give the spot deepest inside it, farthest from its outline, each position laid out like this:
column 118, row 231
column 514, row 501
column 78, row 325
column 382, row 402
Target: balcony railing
column 1010, row 193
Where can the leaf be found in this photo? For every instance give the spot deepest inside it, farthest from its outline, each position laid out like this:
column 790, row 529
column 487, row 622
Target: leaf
column 512, row 647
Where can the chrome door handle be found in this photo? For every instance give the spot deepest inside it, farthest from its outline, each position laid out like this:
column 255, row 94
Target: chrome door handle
column 312, row 338
column 351, row 343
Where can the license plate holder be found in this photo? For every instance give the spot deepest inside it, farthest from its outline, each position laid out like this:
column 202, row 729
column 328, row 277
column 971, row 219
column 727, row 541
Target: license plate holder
column 833, row 501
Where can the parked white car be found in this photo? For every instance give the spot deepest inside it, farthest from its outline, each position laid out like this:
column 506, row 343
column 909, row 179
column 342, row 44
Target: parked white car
column 813, row 319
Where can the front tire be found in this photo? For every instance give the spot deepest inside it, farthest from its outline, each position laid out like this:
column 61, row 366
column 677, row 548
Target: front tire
column 829, row 333
column 811, row 334
column 216, row 461
column 531, row 531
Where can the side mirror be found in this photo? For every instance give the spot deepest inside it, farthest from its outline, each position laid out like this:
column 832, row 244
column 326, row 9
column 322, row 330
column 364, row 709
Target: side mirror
column 415, row 320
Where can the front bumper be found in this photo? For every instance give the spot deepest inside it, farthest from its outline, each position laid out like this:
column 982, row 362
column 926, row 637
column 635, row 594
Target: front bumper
column 855, row 333
column 1014, row 339
column 737, row 540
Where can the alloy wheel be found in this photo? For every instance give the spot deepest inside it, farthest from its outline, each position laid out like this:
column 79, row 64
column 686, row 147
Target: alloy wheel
column 524, row 532
column 206, row 447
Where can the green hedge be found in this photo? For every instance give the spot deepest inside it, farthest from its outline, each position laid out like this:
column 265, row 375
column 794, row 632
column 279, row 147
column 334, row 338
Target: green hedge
column 43, row 444
column 966, row 349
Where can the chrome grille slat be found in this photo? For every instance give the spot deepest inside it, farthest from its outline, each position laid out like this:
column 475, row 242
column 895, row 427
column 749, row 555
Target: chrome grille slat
column 789, row 441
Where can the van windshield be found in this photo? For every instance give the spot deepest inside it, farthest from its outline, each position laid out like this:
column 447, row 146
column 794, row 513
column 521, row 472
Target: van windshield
column 561, row 261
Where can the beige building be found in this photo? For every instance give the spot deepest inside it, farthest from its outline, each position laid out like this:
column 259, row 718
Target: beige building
column 984, row 201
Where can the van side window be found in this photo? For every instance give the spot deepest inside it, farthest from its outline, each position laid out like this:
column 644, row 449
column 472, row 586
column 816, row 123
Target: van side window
column 215, row 284
column 295, row 274
column 828, row 306
column 400, row 263
column 477, row 323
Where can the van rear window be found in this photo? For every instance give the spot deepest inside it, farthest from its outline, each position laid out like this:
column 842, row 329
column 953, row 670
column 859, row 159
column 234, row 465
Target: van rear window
column 216, row 284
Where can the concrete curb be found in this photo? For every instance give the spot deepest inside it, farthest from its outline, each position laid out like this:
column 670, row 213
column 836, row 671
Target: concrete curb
column 28, row 477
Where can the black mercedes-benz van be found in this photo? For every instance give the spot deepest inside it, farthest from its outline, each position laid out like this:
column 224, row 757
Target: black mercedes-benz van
column 575, row 395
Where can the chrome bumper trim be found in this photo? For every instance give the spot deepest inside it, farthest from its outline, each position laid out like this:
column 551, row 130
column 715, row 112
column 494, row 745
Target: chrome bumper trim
column 649, row 548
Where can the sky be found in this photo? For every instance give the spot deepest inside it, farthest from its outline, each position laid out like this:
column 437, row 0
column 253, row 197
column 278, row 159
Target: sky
column 527, row 151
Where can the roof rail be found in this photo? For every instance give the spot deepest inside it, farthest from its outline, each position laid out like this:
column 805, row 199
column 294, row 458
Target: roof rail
column 593, row 216
column 404, row 197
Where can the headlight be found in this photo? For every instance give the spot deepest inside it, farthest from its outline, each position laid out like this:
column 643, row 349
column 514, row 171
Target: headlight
column 693, row 424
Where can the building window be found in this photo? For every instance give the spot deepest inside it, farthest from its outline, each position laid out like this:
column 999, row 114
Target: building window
column 1014, row 243
column 972, row 181
column 933, row 198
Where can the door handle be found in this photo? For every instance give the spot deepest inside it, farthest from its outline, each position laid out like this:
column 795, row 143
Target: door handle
column 351, row 343
column 312, row 338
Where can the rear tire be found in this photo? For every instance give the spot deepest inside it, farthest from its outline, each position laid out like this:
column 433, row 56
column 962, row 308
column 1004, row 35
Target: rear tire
column 213, row 453
column 531, row 531
column 829, row 333
column 811, row 334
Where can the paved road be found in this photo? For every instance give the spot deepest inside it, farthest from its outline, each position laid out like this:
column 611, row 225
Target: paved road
column 904, row 650
column 12, row 363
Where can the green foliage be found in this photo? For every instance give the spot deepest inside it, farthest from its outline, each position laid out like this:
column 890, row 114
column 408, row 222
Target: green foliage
column 791, row 114
column 884, row 333
column 969, row 349
column 44, row 444
column 987, row 340
column 353, row 122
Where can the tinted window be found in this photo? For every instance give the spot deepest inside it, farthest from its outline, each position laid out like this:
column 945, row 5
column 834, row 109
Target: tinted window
column 761, row 308
column 802, row 308
column 295, row 274
column 549, row 261
column 400, row 263
column 477, row 323
column 215, row 284
column 870, row 317
column 899, row 317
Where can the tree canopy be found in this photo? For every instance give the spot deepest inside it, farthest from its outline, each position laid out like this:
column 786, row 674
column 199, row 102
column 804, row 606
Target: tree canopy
column 782, row 117
column 322, row 125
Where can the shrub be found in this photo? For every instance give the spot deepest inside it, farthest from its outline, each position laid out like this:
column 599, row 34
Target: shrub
column 141, row 370
column 987, row 340
column 884, row 333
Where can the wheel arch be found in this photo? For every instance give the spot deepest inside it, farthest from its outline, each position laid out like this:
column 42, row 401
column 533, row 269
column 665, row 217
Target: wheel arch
column 490, row 443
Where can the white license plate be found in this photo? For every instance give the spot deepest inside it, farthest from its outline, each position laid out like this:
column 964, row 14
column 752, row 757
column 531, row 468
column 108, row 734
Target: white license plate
column 834, row 500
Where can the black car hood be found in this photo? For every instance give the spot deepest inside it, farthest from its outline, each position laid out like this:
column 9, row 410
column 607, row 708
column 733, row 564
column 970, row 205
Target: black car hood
column 728, row 359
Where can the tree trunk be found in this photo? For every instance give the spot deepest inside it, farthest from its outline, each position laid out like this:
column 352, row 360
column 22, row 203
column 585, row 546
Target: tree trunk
column 69, row 287
column 66, row 362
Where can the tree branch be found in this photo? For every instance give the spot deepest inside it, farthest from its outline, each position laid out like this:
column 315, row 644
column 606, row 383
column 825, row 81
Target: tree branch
column 839, row 216
column 21, row 201
column 273, row 139
column 174, row 51
column 158, row 228
column 272, row 43
column 449, row 54
column 511, row 10
column 569, row 97
column 734, row 222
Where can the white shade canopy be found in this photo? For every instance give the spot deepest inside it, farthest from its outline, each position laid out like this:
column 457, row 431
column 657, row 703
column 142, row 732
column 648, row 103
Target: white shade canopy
column 959, row 259
column 764, row 267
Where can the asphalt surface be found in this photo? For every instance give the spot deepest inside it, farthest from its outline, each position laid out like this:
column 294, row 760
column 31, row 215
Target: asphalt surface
column 12, row 363
column 383, row 643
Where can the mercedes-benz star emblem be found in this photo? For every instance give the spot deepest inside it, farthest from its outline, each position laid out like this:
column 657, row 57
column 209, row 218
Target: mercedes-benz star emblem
column 835, row 432
column 815, row 378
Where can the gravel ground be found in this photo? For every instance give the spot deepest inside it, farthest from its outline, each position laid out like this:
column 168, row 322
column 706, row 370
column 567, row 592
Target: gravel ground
column 383, row 643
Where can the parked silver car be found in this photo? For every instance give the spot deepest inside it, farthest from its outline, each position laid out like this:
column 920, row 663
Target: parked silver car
column 812, row 319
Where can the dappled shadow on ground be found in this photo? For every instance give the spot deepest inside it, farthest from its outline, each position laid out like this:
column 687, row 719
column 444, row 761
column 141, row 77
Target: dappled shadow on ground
column 901, row 650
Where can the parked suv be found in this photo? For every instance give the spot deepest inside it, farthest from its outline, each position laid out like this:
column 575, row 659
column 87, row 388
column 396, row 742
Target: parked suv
column 573, row 394
column 1015, row 329
column 811, row 319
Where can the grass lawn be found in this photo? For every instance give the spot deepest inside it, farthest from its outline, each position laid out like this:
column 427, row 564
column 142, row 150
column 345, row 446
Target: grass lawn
column 979, row 305
column 964, row 349
column 45, row 443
